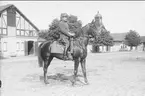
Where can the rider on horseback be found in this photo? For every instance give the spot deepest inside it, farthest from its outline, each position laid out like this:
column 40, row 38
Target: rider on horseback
column 65, row 33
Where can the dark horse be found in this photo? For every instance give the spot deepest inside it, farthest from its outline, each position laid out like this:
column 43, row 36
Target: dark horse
column 79, row 53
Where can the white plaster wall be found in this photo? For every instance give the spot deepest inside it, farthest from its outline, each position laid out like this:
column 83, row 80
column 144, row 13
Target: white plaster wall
column 115, row 48
column 21, row 52
column 12, row 46
column 89, row 48
column 102, row 48
column 140, row 47
column 11, row 31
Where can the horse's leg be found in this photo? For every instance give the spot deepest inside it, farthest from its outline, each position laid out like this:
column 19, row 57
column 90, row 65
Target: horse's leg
column 46, row 64
column 76, row 65
column 83, row 65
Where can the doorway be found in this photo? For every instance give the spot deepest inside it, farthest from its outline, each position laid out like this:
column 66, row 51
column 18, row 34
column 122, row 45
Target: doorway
column 30, row 47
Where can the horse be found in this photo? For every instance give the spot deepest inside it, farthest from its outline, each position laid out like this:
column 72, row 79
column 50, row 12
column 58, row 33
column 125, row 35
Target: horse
column 79, row 53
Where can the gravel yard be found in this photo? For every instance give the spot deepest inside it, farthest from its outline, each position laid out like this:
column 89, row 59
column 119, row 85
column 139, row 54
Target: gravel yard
column 109, row 74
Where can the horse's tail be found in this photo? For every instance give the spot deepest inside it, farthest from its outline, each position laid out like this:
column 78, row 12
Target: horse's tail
column 40, row 60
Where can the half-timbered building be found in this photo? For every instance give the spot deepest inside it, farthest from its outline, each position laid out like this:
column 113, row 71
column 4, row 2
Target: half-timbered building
column 18, row 35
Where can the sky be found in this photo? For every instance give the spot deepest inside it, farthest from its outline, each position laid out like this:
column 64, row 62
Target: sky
column 117, row 16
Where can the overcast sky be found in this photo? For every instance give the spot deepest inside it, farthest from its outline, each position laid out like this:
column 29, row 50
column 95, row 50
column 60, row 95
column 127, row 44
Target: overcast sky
column 118, row 17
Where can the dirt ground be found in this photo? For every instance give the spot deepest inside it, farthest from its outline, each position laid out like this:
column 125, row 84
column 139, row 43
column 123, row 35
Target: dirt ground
column 109, row 74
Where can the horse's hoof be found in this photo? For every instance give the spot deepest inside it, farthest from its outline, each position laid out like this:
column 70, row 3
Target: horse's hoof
column 86, row 82
column 73, row 83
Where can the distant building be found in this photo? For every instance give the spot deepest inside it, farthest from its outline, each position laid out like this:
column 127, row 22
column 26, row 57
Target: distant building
column 18, row 35
column 119, row 42
column 141, row 47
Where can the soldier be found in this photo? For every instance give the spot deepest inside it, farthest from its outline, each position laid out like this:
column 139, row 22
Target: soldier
column 66, row 35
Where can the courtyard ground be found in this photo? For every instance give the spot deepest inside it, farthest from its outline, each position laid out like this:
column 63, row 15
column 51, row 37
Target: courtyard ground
column 109, row 74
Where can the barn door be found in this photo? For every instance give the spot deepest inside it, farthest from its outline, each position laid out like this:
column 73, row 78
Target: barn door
column 36, row 48
column 26, row 48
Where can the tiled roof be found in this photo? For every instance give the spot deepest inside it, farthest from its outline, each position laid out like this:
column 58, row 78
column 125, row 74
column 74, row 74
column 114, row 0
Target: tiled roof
column 121, row 37
column 142, row 38
column 118, row 36
column 5, row 7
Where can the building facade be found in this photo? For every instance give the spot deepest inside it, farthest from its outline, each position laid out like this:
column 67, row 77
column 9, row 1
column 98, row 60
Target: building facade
column 18, row 35
column 119, row 42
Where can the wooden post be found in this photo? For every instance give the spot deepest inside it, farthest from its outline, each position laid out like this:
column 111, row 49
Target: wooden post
column 36, row 48
column 26, row 48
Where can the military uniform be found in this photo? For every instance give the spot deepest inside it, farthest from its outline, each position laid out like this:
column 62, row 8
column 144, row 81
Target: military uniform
column 65, row 34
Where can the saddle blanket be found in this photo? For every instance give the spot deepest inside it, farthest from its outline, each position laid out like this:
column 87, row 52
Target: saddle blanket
column 55, row 47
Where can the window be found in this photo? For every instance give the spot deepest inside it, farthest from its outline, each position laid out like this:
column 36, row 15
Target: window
column 26, row 33
column 5, row 46
column 18, row 32
column 22, row 33
column 34, row 33
column 4, row 31
column 31, row 33
column 18, row 46
column 22, row 46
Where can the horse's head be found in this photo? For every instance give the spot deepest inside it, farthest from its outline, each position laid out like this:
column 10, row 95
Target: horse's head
column 89, row 32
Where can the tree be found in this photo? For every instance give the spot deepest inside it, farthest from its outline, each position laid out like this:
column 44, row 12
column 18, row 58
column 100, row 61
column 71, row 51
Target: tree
column 132, row 39
column 107, row 39
column 43, row 33
column 54, row 24
column 52, row 32
column 103, row 39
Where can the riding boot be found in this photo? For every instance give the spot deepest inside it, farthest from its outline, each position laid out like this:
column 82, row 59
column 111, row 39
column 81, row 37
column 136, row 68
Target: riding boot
column 69, row 54
column 65, row 54
column 71, row 45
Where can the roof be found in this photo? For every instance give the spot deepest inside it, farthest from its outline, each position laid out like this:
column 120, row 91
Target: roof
column 142, row 38
column 2, row 8
column 118, row 36
column 5, row 7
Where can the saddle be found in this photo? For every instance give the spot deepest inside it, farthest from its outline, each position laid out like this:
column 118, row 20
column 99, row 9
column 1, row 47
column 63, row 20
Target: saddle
column 57, row 47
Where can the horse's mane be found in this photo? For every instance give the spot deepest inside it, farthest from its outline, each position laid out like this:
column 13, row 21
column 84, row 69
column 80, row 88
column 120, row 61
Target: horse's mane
column 79, row 42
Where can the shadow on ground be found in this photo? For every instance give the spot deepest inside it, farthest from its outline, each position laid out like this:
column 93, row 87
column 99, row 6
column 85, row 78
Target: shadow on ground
column 56, row 79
